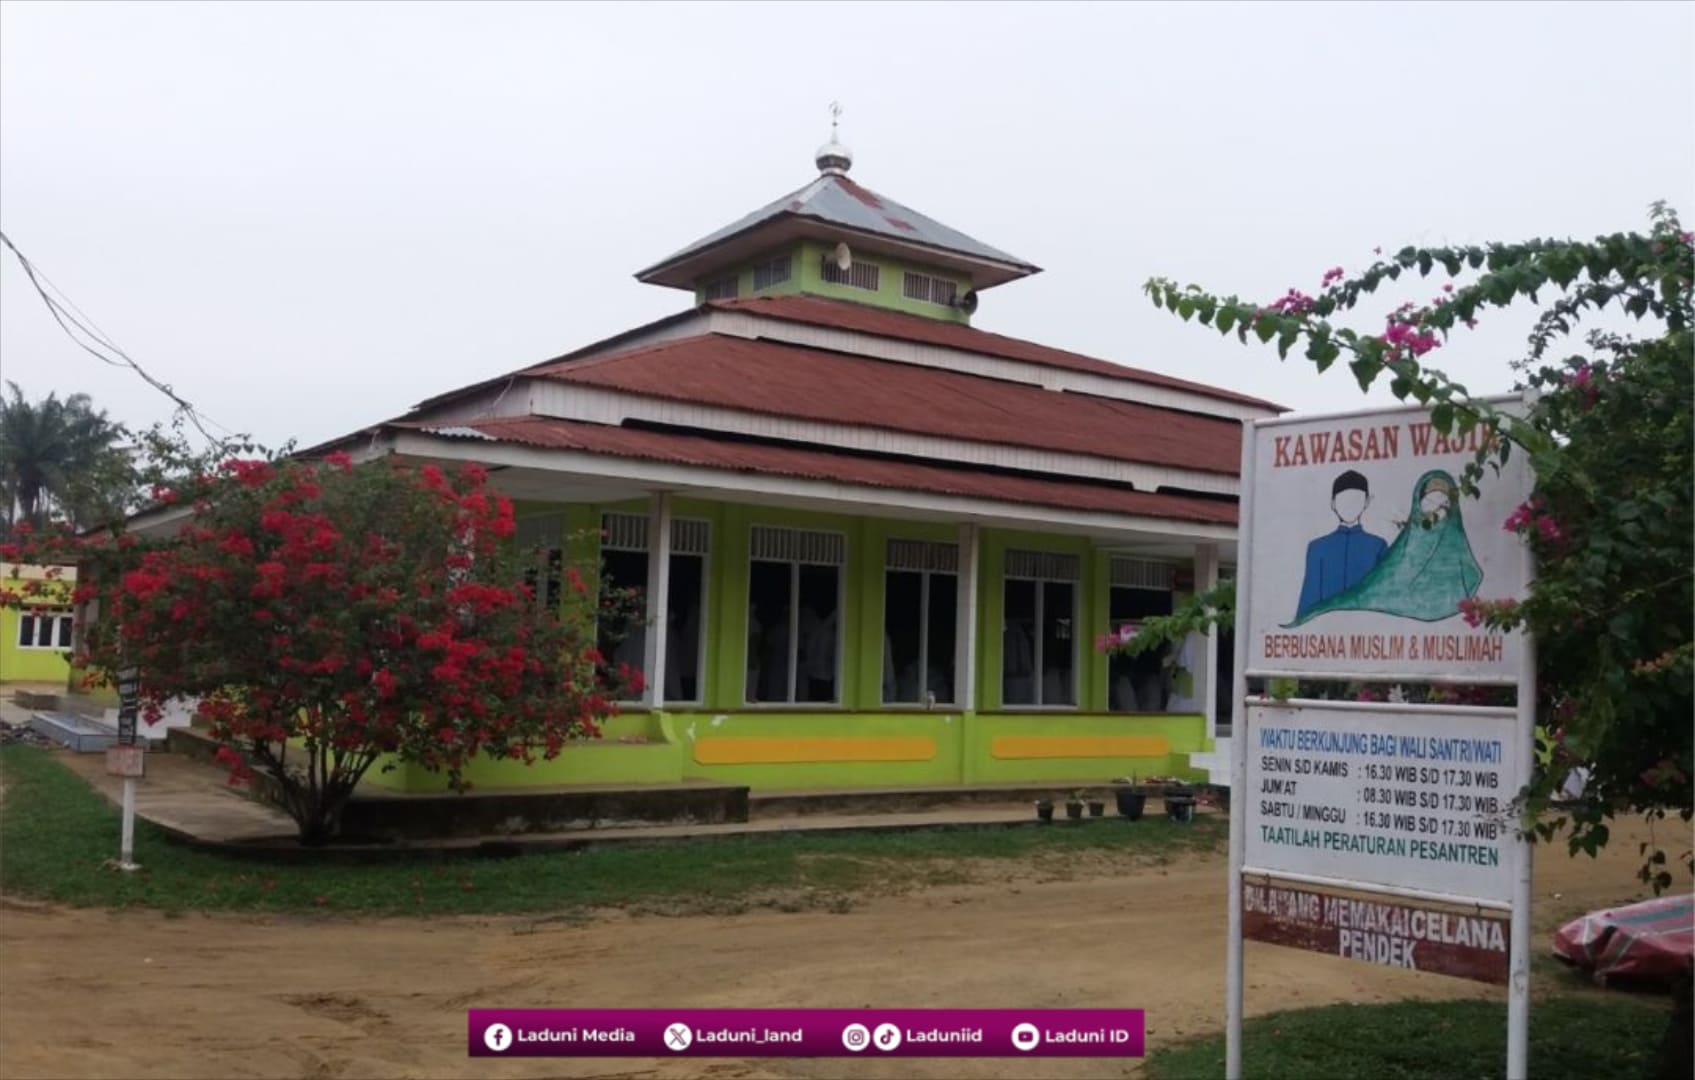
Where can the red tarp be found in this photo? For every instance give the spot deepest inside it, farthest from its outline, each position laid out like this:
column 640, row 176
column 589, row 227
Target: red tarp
column 1652, row 941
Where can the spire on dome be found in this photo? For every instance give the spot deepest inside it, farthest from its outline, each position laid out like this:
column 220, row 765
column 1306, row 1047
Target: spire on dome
column 834, row 159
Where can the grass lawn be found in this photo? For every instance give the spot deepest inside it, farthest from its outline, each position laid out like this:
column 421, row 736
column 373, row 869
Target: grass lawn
column 1577, row 1038
column 56, row 835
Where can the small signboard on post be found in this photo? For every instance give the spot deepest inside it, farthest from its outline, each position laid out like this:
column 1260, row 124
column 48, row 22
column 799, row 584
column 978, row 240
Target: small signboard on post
column 129, row 704
column 1382, row 832
column 127, row 759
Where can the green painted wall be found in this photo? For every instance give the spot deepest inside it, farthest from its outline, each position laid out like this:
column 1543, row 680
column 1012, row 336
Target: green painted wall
column 665, row 752
column 963, row 752
column 28, row 665
column 806, row 276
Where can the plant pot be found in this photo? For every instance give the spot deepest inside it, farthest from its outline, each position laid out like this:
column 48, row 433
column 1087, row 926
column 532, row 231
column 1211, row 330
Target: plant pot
column 1096, row 808
column 1180, row 808
column 1044, row 811
column 1074, row 810
column 1131, row 802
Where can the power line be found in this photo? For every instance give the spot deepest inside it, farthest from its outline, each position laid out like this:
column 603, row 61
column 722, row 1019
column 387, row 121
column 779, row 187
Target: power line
column 65, row 314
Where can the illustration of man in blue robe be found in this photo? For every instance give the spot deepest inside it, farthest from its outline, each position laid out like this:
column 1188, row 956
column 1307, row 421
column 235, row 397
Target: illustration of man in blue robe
column 1339, row 559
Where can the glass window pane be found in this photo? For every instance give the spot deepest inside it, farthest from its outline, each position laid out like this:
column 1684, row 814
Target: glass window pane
column 685, row 608
column 903, row 600
column 620, row 636
column 1018, row 644
column 26, row 631
column 768, row 631
column 65, row 623
column 1059, row 684
column 815, row 655
column 1139, row 683
column 944, row 616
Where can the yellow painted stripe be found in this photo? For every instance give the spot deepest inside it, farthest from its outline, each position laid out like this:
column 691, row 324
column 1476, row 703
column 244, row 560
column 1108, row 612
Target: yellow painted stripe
column 753, row 751
column 1079, row 746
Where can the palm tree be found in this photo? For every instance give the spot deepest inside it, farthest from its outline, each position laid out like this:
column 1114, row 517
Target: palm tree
column 59, row 455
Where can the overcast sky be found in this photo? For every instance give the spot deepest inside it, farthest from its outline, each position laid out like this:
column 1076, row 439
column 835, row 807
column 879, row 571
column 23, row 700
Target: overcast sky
column 307, row 217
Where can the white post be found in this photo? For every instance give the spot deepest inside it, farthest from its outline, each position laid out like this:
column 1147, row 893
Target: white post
column 1239, row 767
column 1518, row 975
column 126, row 845
column 1206, row 580
column 658, row 597
column 965, row 639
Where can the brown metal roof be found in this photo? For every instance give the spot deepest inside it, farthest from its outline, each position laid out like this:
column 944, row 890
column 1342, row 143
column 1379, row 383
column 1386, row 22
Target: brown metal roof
column 814, row 464
column 844, row 315
column 785, row 380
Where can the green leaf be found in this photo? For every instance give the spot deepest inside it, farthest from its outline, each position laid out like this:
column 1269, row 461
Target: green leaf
column 1365, row 371
column 1425, row 262
column 1286, row 340
column 1266, row 328
column 1186, row 308
column 1226, row 319
column 1442, row 418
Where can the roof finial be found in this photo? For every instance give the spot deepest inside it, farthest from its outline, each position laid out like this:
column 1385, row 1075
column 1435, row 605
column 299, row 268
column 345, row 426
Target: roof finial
column 834, row 159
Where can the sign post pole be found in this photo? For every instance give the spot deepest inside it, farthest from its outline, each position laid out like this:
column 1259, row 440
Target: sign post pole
column 126, row 760
column 1233, row 980
column 1518, row 985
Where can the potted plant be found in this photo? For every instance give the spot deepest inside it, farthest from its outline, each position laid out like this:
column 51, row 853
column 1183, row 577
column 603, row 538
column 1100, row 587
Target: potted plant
column 1074, row 806
column 1179, row 807
column 1044, row 811
column 1131, row 799
column 1097, row 807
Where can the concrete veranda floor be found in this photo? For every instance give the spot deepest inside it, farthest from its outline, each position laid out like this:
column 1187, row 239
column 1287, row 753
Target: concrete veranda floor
column 194, row 799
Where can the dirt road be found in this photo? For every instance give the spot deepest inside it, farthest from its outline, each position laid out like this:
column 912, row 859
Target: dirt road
column 99, row 994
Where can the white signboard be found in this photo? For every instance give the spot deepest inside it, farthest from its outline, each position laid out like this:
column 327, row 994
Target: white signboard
column 1364, row 549
column 1409, row 798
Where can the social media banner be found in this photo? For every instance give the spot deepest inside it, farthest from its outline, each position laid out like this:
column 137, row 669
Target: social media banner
column 805, row 1032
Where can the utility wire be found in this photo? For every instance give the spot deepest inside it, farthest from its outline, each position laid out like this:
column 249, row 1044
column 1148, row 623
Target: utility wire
column 65, row 314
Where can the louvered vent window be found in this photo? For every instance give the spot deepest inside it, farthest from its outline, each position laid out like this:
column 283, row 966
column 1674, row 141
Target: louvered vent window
column 724, row 288
column 932, row 290
column 1142, row 574
column 772, row 272
column 1039, row 624
column 860, row 275
column 920, row 619
column 794, row 612
column 624, row 565
column 628, row 532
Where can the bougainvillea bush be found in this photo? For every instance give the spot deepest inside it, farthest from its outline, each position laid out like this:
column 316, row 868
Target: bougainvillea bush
column 328, row 616
column 1609, row 439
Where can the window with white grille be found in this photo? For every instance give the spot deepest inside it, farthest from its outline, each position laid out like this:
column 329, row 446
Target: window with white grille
column 724, row 288
column 794, row 614
column 45, row 629
column 1039, row 622
column 771, row 272
column 542, row 537
column 1150, row 681
column 624, row 565
column 859, row 275
column 930, row 289
column 920, row 619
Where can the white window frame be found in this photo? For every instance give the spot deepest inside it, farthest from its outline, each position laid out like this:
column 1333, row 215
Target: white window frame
column 925, row 573
column 705, row 557
column 794, row 564
column 51, row 618
column 1139, row 575
column 1038, row 678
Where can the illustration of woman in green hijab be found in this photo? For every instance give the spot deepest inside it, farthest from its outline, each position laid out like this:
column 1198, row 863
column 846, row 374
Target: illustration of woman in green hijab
column 1426, row 572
